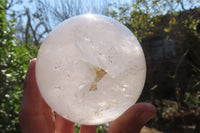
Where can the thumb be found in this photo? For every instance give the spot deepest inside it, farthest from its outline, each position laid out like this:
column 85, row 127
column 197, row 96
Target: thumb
column 35, row 115
column 133, row 119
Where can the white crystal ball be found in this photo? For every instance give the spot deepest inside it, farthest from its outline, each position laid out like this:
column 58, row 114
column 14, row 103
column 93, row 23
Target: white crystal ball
column 90, row 69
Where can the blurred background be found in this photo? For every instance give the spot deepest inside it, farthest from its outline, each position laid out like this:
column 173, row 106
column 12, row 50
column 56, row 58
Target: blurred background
column 168, row 30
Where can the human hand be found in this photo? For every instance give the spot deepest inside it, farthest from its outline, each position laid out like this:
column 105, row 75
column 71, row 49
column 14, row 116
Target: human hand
column 37, row 117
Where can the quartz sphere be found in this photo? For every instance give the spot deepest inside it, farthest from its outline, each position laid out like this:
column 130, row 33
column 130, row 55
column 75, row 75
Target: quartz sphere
column 90, row 69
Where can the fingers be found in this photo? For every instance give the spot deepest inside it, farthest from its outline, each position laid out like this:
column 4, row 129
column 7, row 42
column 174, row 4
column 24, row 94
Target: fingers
column 35, row 115
column 31, row 95
column 133, row 119
column 64, row 125
column 88, row 129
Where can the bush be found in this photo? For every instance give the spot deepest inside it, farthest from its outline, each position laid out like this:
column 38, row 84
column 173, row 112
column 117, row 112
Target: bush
column 13, row 65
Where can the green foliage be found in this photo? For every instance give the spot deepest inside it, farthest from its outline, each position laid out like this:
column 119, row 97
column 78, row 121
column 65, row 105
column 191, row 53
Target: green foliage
column 170, row 109
column 99, row 129
column 77, row 128
column 13, row 65
column 191, row 100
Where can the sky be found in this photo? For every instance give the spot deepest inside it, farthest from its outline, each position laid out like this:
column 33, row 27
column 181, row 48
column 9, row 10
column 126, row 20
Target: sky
column 86, row 5
column 87, row 9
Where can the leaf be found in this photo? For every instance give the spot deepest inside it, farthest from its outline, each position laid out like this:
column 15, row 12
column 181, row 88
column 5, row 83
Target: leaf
column 166, row 30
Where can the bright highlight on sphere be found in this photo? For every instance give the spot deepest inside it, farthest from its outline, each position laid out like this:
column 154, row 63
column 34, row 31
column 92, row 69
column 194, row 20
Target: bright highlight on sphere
column 90, row 69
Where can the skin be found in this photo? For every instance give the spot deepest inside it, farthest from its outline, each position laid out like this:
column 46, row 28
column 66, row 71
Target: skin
column 37, row 117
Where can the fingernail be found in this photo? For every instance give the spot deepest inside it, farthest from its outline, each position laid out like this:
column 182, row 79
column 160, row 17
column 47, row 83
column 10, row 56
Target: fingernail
column 32, row 60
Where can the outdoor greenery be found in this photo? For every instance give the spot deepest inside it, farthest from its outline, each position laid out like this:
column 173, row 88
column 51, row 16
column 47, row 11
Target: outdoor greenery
column 173, row 81
column 13, row 65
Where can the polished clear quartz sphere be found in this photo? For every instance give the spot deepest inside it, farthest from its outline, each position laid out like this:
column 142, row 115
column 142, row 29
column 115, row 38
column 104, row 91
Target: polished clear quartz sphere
column 90, row 69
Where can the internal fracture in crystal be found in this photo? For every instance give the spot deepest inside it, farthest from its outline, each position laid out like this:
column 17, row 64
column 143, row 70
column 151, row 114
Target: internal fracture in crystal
column 99, row 75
